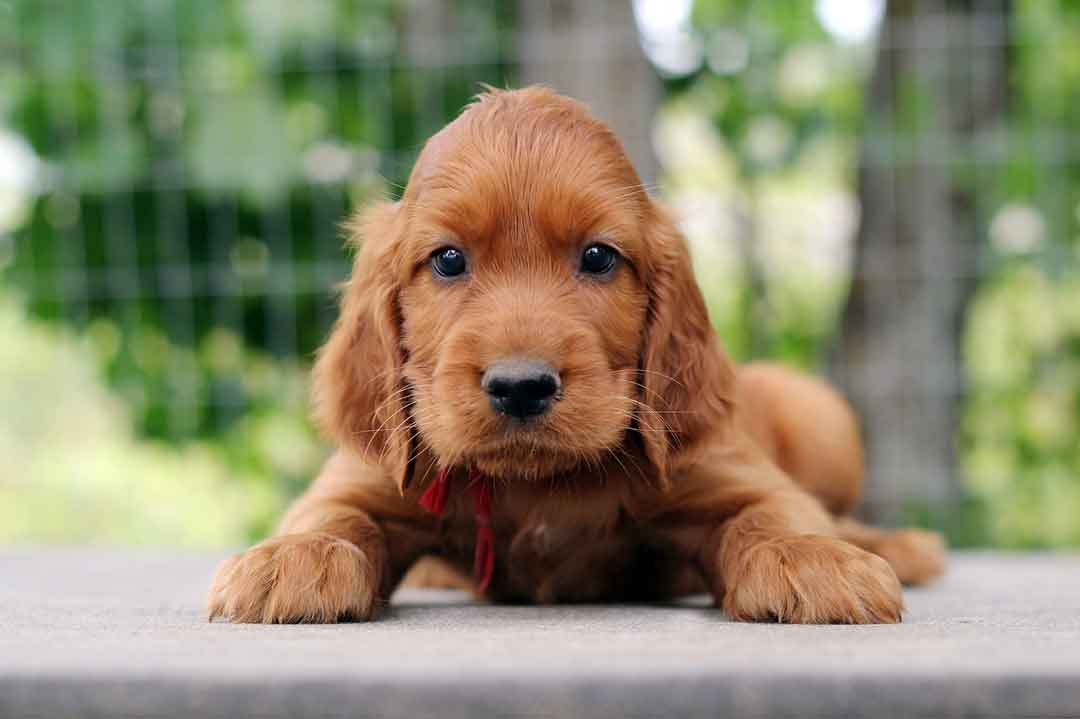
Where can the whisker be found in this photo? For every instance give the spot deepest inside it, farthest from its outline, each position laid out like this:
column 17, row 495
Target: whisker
column 661, row 374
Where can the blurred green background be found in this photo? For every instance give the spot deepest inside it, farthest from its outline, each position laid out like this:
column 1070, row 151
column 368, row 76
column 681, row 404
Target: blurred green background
column 851, row 174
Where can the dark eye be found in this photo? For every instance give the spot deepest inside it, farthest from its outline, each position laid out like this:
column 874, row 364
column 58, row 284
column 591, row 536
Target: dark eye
column 598, row 259
column 448, row 262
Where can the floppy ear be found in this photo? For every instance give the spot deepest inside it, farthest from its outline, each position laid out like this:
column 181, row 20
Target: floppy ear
column 687, row 378
column 357, row 388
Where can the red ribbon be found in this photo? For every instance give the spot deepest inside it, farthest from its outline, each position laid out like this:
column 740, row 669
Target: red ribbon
column 434, row 500
column 434, row 497
column 484, row 558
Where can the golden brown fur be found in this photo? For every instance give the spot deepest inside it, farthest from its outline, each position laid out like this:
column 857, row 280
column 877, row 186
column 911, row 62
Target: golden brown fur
column 660, row 468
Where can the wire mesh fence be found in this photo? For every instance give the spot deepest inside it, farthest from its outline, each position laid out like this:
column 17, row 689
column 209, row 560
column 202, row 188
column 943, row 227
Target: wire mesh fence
column 200, row 157
column 192, row 161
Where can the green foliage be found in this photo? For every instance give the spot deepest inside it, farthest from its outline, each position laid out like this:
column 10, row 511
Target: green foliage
column 201, row 156
column 785, row 107
column 1022, row 340
column 73, row 470
column 797, row 83
column 1021, row 425
column 1022, row 344
column 200, row 153
column 198, row 158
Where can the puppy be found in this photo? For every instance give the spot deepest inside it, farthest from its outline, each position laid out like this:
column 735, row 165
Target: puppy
column 524, row 382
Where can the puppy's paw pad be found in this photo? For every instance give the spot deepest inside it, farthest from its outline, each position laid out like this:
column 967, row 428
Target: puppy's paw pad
column 813, row 580
column 295, row 578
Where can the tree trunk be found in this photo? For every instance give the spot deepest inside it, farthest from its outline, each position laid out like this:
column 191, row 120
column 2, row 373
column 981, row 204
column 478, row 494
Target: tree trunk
column 940, row 82
column 590, row 51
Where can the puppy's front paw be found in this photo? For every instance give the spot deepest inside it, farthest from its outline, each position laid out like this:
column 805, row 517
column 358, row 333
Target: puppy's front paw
column 310, row 577
column 811, row 580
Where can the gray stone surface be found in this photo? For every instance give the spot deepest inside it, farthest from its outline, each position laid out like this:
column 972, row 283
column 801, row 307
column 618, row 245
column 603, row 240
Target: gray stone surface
column 121, row 633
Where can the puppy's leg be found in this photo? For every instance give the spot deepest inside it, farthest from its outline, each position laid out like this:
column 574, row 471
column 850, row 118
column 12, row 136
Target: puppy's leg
column 771, row 553
column 810, row 431
column 436, row 573
column 916, row 555
column 313, row 576
column 337, row 555
column 776, row 561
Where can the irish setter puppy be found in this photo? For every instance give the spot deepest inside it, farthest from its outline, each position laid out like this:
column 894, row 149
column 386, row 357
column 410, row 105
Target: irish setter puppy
column 524, row 381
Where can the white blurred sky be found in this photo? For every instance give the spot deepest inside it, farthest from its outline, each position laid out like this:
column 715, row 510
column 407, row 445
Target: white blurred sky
column 671, row 44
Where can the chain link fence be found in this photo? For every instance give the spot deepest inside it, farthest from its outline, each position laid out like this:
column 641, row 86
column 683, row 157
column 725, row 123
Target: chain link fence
column 173, row 175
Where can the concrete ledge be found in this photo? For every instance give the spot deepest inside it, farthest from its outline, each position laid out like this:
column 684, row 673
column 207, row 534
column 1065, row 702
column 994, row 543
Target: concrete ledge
column 121, row 633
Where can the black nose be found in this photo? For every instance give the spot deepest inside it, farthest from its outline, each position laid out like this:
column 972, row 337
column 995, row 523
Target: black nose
column 520, row 387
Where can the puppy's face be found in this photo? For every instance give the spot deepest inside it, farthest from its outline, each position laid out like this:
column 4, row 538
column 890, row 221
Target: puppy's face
column 523, row 308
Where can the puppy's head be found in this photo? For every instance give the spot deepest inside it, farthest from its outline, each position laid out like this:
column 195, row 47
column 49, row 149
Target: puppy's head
column 526, row 307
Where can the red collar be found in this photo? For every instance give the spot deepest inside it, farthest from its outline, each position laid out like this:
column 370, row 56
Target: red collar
column 434, row 500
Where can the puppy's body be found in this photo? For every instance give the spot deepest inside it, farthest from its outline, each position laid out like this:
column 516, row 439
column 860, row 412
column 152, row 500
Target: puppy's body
column 527, row 315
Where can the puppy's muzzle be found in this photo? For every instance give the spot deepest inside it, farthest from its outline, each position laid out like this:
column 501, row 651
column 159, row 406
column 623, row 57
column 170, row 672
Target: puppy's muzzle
column 521, row 388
